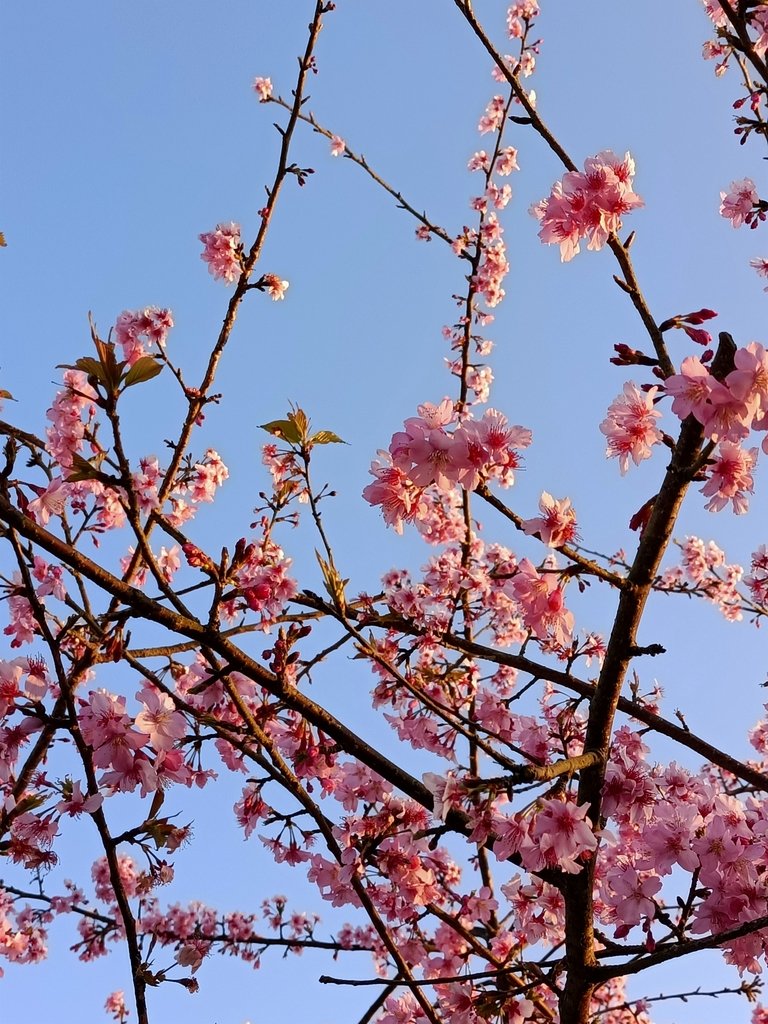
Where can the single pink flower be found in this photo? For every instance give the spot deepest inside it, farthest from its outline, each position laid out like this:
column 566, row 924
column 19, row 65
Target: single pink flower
column 632, row 894
column 561, row 834
column 730, row 478
column 50, row 502
column 506, row 161
column 160, row 720
column 557, row 523
column 737, row 204
column 479, row 161
column 116, row 1008
column 691, row 389
column 748, row 381
column 630, row 426
column 263, row 88
column 76, row 803
column 275, row 287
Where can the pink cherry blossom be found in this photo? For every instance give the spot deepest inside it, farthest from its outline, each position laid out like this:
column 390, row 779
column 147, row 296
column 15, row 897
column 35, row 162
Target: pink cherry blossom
column 748, row 381
column 757, row 581
column 630, row 426
column 519, row 12
column 726, row 417
column 116, row 1008
column 209, row 475
column 76, row 803
column 668, row 838
column 135, row 330
column 263, row 88
column 50, row 502
column 557, row 523
column 72, row 409
column 561, row 835
column 589, row 204
column 737, row 204
column 23, row 625
column 159, row 719
column 493, row 117
column 715, row 11
column 760, row 264
column 633, row 895
column 542, row 602
column 691, row 388
column 730, row 478
column 223, row 251
column 275, row 287
column 107, row 729
column 479, row 161
column 506, row 161
column 446, row 791
column 168, row 561
column 476, row 662
column 192, row 954
column 493, row 448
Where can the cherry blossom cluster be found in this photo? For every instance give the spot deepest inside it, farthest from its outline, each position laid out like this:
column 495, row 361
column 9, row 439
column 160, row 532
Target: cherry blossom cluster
column 494, row 266
column 22, row 625
column 588, row 205
column 136, row 330
column 673, row 854
column 73, row 426
column 704, row 570
column 519, row 15
column 727, row 410
column 427, row 454
column 556, row 525
column 264, row 581
column 22, row 932
column 512, row 599
column 727, row 41
column 223, row 252
column 662, row 821
column 71, row 414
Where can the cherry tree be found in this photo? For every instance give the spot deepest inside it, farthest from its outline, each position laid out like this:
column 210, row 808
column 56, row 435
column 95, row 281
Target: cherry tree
column 524, row 847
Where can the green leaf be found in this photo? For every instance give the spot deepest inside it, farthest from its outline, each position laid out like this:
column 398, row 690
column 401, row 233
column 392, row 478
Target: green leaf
column 300, row 419
column 110, row 369
column 326, row 437
column 286, row 430
column 143, row 369
column 82, row 470
column 92, row 367
column 88, row 365
column 334, row 584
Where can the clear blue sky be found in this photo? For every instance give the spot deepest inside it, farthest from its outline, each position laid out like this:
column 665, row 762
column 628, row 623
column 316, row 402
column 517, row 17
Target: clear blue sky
column 130, row 128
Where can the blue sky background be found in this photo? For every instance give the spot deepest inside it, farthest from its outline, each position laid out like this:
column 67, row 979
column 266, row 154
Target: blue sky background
column 130, row 128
